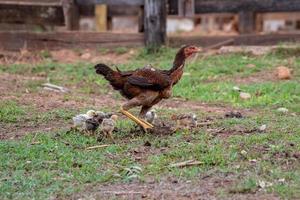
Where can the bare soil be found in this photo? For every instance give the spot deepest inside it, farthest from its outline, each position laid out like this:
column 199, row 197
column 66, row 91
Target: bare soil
column 206, row 187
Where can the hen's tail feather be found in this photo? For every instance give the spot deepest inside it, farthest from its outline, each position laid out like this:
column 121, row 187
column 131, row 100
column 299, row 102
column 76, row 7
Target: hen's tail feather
column 112, row 76
column 103, row 69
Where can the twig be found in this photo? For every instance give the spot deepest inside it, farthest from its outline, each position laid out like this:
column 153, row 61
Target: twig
column 186, row 163
column 35, row 142
column 121, row 192
column 98, row 146
column 204, row 123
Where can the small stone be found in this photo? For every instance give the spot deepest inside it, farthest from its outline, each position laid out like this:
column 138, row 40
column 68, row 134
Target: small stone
column 250, row 65
column 236, row 88
column 262, row 184
column 244, row 153
column 253, row 161
column 263, row 127
column 282, row 110
column 86, row 56
column 245, row 96
column 283, row 73
column 281, row 180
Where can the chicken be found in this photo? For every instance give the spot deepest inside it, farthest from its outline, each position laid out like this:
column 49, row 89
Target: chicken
column 186, row 120
column 101, row 115
column 79, row 120
column 151, row 116
column 146, row 86
column 91, row 126
column 108, row 126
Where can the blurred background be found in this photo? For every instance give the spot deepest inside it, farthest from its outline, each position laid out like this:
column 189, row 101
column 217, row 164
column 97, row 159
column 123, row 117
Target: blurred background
column 175, row 20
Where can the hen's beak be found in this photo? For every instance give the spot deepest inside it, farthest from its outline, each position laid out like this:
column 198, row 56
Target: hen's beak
column 198, row 49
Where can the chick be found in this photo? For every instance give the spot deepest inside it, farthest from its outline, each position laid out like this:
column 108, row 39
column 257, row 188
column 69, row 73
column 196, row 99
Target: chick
column 101, row 115
column 186, row 120
column 151, row 116
column 79, row 120
column 90, row 126
column 108, row 126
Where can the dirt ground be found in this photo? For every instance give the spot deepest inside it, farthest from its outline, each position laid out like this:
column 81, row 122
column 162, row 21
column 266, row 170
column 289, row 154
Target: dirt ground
column 171, row 188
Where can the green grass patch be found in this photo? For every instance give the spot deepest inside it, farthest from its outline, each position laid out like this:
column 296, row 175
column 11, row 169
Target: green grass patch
column 10, row 111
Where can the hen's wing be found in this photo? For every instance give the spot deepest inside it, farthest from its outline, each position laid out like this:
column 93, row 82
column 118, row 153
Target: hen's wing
column 150, row 78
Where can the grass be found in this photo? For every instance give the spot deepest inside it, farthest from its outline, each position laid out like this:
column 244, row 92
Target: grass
column 10, row 111
column 58, row 166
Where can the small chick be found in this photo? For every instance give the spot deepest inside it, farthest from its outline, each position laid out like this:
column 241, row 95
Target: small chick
column 79, row 120
column 91, row 126
column 151, row 116
column 101, row 115
column 186, row 120
column 108, row 126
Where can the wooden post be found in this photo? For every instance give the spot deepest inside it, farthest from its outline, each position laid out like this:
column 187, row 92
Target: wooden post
column 71, row 14
column 141, row 17
column 155, row 23
column 101, row 17
column 186, row 8
column 246, row 22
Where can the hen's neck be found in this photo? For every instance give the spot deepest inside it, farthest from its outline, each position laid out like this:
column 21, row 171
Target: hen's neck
column 177, row 70
column 178, row 62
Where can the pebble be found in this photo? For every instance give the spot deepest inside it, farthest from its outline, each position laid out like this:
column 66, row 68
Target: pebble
column 244, row 153
column 283, row 110
column 245, row 96
column 86, row 56
column 250, row 65
column 263, row 127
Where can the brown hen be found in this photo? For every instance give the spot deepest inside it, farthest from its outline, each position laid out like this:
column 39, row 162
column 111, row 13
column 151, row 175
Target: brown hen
column 146, row 86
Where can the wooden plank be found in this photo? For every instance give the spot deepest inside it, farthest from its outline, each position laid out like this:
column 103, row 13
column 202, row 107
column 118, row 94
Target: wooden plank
column 215, row 6
column 111, row 2
column 250, row 39
column 31, row 15
column 101, row 17
column 71, row 14
column 155, row 23
column 14, row 41
column 246, row 22
column 31, row 2
column 11, row 40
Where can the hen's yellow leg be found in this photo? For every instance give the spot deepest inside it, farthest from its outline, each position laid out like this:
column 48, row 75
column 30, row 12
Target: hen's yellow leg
column 146, row 125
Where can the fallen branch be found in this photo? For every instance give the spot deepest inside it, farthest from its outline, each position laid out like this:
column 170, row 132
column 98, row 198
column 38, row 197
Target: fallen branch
column 50, row 86
column 97, row 147
column 186, row 163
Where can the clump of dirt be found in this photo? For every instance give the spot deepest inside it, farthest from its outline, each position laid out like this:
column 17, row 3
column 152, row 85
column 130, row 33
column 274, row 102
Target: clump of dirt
column 233, row 114
column 158, row 129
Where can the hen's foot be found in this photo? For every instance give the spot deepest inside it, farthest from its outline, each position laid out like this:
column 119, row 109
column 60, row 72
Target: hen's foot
column 146, row 125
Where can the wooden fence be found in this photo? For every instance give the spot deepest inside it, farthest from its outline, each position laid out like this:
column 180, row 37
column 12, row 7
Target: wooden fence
column 153, row 22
